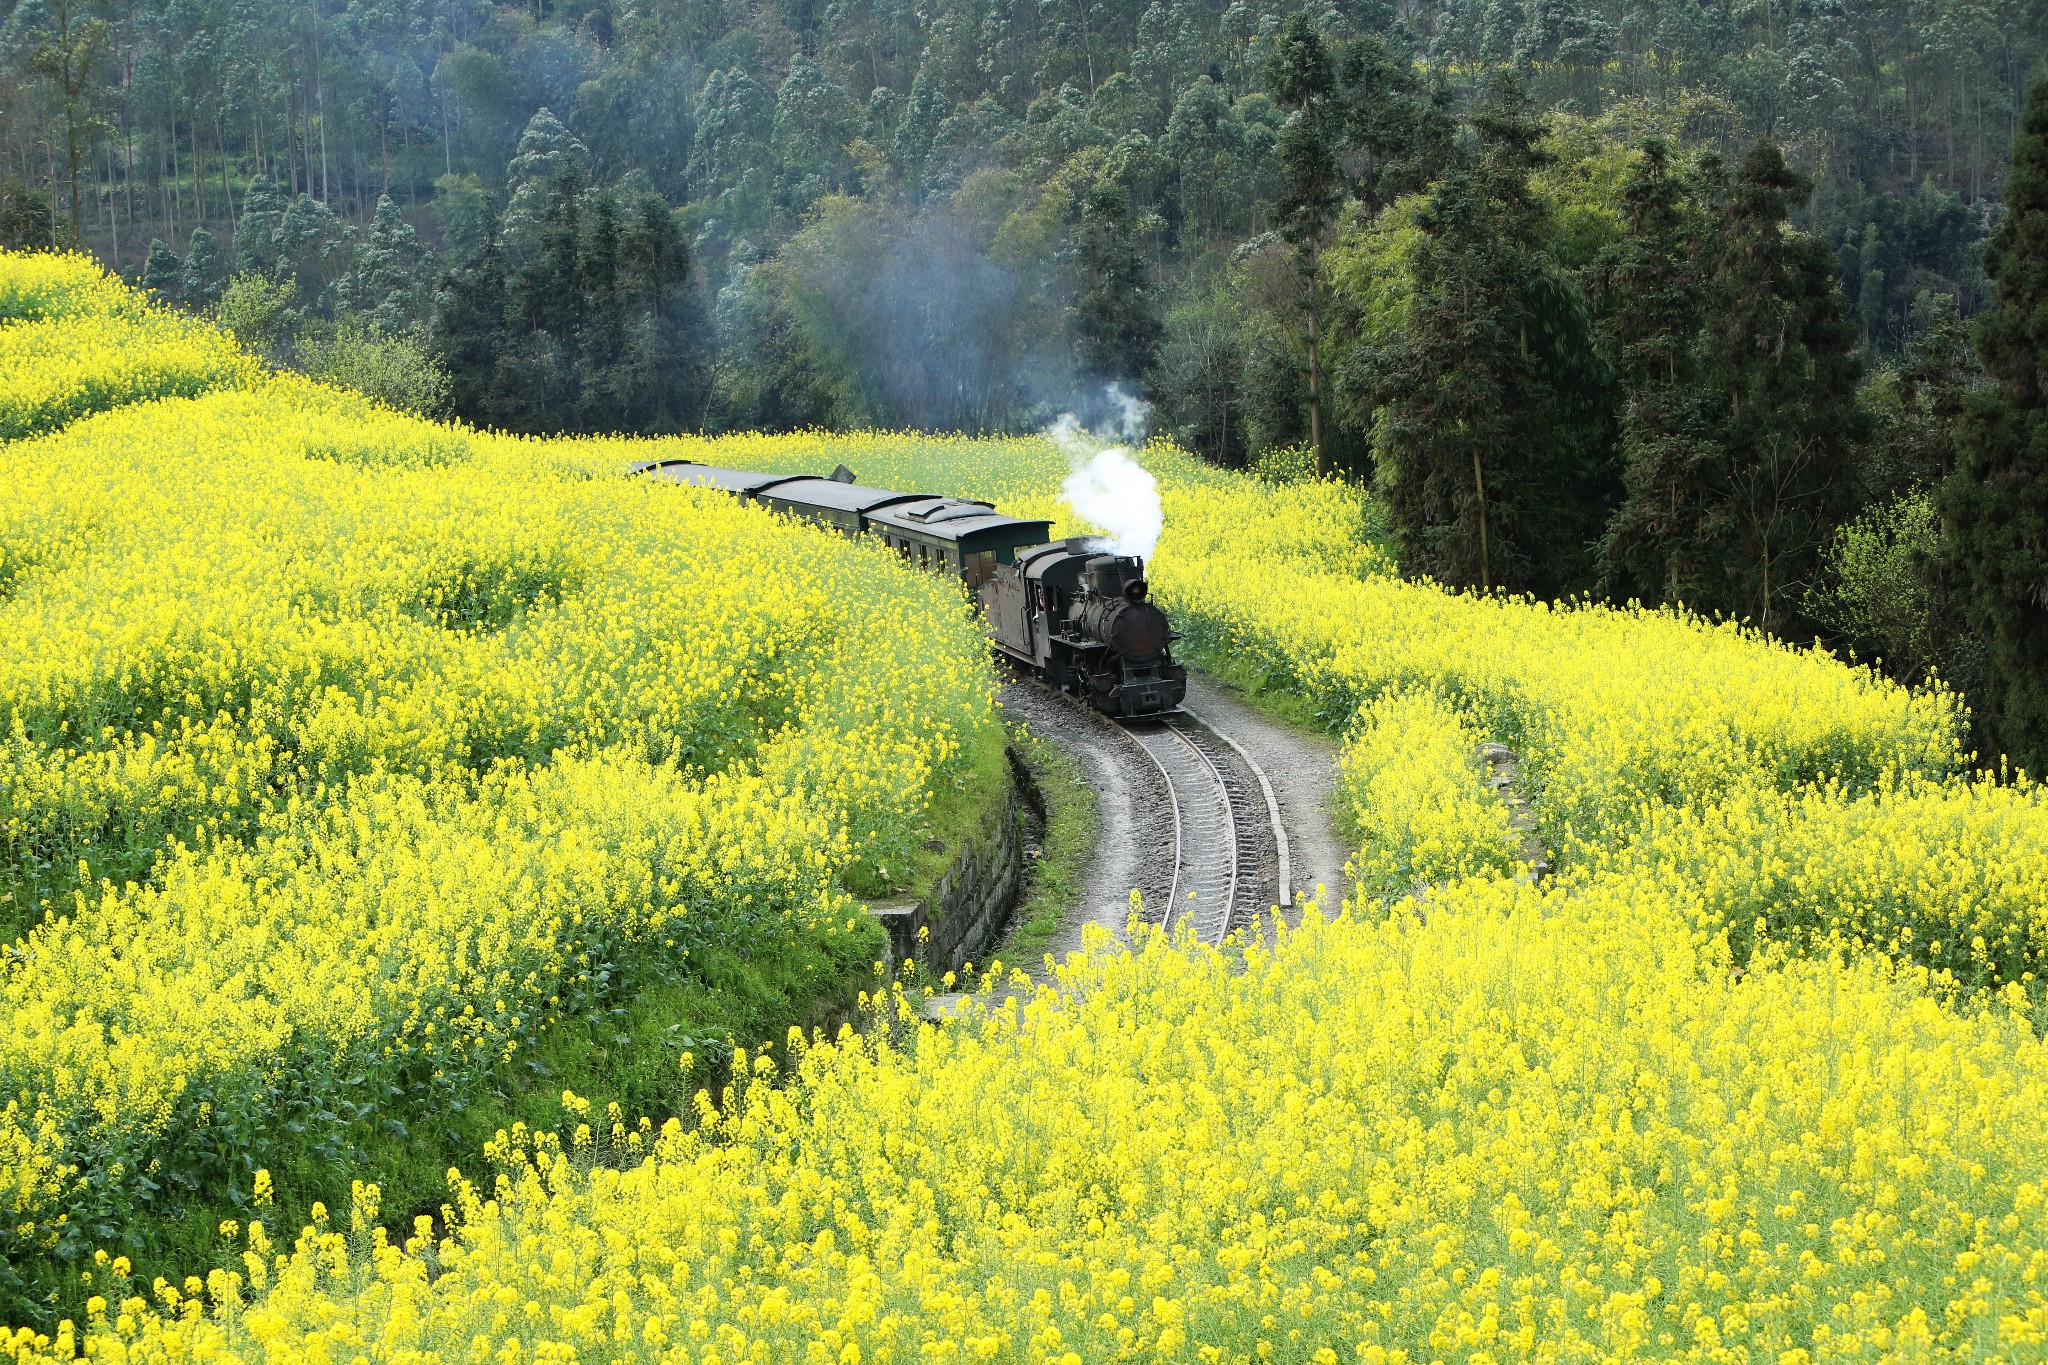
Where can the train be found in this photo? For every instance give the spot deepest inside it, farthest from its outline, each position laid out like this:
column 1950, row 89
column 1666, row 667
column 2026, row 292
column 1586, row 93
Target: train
column 1070, row 613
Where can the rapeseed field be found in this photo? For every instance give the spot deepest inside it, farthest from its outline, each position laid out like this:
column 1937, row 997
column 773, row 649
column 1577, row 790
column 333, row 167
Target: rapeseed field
column 1757, row 1075
column 361, row 779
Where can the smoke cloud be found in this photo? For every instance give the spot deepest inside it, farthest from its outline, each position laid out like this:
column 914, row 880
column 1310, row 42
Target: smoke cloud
column 1108, row 487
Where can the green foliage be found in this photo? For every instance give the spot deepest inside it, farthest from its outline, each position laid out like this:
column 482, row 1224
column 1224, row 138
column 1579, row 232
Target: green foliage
column 263, row 209
column 1492, row 421
column 258, row 311
column 388, row 278
column 593, row 330
column 163, row 274
column 466, row 213
column 204, row 273
column 1874, row 587
column 393, row 368
column 313, row 249
column 1650, row 290
column 1116, row 323
column 1742, row 459
column 1919, row 403
column 1996, row 503
column 549, row 159
column 25, row 220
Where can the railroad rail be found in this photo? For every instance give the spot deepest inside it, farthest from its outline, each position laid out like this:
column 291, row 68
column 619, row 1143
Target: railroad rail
column 1213, row 817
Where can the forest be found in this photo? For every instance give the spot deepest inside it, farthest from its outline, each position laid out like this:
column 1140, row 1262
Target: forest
column 1657, row 300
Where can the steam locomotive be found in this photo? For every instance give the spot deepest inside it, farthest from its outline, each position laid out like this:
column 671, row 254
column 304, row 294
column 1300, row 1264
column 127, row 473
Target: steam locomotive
column 1068, row 612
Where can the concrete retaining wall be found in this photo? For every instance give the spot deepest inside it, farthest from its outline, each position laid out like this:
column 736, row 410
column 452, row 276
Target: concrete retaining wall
column 968, row 907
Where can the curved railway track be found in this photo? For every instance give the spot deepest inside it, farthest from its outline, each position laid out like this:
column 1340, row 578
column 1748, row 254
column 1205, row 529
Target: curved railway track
column 1221, row 825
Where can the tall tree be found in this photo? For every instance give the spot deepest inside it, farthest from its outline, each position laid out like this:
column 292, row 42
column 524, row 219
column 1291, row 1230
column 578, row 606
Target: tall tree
column 1494, row 432
column 1649, row 288
column 204, row 273
column 1116, row 319
column 1302, row 77
column 1914, row 448
column 1742, row 460
column 263, row 212
column 1399, row 136
column 469, row 332
column 1780, row 357
column 1995, row 506
column 547, row 152
column 65, row 54
column 163, row 272
column 386, row 280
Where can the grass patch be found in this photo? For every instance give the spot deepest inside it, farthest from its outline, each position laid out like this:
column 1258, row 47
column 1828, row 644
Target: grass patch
column 1279, row 698
column 1066, row 808
column 960, row 810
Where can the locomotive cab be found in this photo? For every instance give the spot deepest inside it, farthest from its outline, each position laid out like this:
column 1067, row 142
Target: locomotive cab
column 1083, row 621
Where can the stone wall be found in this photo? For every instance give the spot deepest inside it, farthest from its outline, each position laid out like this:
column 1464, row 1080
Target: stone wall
column 970, row 903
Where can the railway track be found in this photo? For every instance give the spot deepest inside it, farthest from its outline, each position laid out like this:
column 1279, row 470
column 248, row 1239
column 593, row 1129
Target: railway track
column 1227, row 832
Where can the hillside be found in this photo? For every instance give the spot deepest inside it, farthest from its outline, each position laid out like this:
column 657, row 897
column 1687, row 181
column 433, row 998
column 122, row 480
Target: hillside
column 365, row 782
column 1754, row 1074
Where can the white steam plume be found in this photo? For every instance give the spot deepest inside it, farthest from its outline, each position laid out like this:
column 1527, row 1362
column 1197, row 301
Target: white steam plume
column 1133, row 414
column 1108, row 487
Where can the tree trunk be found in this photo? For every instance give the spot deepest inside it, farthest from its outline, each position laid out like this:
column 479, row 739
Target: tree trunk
column 69, row 80
column 198, row 180
column 1315, row 388
column 1485, row 555
column 113, row 204
column 320, row 98
column 175, row 188
column 227, row 188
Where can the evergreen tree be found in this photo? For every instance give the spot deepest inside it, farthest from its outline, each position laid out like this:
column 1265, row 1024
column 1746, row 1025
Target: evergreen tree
column 731, row 161
column 661, row 376
column 1649, row 288
column 390, row 265
column 469, row 330
column 163, row 272
column 1401, row 137
column 1995, row 505
column 1780, row 357
column 1116, row 320
column 595, row 331
column 1915, row 445
column 205, row 274
column 918, row 130
column 25, row 220
column 537, row 368
column 1204, row 143
column 313, row 248
column 1494, row 438
column 1741, row 462
column 1302, row 77
column 602, row 302
column 547, row 152
column 263, row 210
column 814, row 120
column 466, row 213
